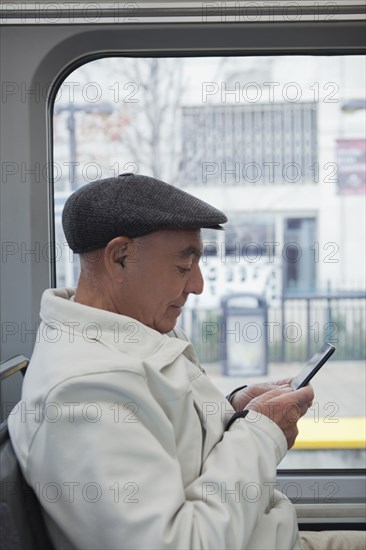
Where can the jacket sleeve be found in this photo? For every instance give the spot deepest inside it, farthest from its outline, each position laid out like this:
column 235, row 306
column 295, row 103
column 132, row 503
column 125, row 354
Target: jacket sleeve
column 104, row 465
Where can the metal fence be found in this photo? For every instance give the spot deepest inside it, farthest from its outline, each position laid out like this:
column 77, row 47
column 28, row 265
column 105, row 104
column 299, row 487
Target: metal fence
column 296, row 327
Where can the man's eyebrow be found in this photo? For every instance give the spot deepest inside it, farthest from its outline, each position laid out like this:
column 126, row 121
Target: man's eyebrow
column 190, row 251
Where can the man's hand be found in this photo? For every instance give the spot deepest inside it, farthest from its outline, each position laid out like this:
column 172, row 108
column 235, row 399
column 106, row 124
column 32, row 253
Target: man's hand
column 242, row 397
column 284, row 406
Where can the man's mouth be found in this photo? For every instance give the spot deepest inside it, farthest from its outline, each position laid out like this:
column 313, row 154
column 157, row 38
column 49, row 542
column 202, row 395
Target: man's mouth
column 179, row 306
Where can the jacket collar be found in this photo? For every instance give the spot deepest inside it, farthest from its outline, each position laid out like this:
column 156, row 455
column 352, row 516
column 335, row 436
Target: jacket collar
column 118, row 331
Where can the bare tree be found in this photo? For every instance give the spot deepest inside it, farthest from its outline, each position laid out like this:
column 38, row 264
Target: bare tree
column 151, row 138
column 142, row 131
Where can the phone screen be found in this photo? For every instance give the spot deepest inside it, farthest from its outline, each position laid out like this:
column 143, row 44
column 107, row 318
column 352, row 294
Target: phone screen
column 312, row 366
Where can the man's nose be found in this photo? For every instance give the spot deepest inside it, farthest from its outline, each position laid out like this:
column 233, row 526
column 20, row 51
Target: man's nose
column 195, row 283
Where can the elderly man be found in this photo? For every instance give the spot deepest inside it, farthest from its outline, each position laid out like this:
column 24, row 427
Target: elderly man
column 115, row 429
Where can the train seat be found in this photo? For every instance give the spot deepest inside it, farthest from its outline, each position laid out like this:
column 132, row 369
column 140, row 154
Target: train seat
column 22, row 524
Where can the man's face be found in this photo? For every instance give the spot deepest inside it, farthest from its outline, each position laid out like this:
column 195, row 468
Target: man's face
column 160, row 276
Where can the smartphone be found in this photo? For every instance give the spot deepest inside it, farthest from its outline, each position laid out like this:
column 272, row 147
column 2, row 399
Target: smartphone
column 312, row 366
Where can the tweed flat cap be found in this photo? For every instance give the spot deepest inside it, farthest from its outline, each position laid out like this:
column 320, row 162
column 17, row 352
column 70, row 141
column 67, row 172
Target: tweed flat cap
column 132, row 205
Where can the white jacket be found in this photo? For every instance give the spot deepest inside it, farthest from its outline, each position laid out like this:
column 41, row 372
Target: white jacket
column 123, row 438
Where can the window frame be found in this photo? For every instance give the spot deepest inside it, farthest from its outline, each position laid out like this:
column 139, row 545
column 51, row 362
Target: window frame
column 57, row 51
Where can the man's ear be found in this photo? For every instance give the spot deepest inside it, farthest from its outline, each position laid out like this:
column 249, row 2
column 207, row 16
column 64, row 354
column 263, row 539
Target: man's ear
column 117, row 254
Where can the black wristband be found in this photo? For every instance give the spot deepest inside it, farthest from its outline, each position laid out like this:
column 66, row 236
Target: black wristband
column 231, row 395
column 240, row 414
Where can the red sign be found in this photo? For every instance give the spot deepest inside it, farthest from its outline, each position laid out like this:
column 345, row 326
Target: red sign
column 351, row 158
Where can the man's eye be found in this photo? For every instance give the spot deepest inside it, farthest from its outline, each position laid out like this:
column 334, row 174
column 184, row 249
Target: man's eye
column 183, row 269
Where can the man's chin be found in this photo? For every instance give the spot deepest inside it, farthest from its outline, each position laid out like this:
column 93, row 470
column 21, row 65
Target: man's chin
column 165, row 329
column 166, row 325
column 169, row 320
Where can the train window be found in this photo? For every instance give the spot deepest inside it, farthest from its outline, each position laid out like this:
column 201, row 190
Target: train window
column 278, row 143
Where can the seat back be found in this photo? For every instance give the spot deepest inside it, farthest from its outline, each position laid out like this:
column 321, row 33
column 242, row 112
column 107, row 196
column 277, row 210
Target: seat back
column 11, row 372
column 23, row 526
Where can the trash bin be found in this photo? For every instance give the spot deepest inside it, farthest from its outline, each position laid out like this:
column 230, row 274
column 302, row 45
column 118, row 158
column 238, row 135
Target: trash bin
column 244, row 335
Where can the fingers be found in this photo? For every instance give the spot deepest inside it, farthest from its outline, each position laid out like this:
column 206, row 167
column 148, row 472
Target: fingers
column 285, row 407
column 296, row 403
column 257, row 389
column 277, row 406
column 283, row 381
column 285, row 396
column 305, row 394
column 244, row 396
column 302, row 396
column 276, row 392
